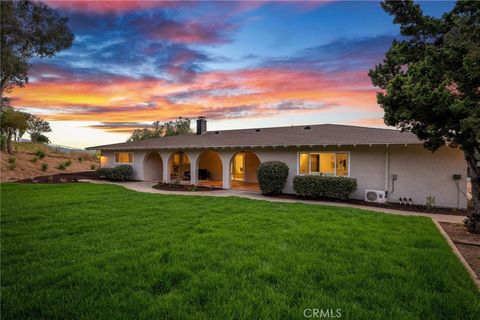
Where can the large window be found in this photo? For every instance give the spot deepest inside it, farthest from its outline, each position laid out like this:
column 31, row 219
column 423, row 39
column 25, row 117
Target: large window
column 324, row 163
column 123, row 157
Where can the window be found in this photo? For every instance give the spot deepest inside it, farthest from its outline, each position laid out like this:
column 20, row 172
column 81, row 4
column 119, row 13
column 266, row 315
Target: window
column 324, row 163
column 303, row 168
column 123, row 157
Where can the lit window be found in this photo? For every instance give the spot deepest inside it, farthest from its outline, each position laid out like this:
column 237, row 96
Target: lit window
column 324, row 163
column 327, row 164
column 123, row 157
column 314, row 163
column 342, row 164
column 304, row 158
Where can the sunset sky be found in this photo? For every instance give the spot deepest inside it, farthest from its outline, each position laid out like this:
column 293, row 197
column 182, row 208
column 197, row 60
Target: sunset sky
column 240, row 64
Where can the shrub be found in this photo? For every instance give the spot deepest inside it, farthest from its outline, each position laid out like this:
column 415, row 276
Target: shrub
column 93, row 166
column 68, row 163
column 80, row 159
column 40, row 154
column 104, row 173
column 61, row 166
column 313, row 186
column 118, row 173
column 122, row 173
column 272, row 176
column 44, row 166
column 12, row 161
column 34, row 159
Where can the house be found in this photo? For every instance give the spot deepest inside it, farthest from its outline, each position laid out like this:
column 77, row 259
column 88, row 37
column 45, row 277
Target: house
column 380, row 159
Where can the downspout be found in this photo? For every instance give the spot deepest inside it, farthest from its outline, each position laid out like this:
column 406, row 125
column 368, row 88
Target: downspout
column 387, row 172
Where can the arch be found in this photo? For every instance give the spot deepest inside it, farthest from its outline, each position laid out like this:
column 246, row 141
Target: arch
column 152, row 167
column 210, row 169
column 179, row 166
column 243, row 170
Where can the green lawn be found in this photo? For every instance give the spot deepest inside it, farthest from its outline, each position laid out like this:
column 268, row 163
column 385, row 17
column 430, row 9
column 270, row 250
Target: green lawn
column 103, row 252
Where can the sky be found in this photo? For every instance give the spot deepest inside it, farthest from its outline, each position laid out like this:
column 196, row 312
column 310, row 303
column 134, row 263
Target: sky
column 240, row 64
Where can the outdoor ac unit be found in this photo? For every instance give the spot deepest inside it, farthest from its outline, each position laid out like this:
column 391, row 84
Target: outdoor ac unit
column 375, row 196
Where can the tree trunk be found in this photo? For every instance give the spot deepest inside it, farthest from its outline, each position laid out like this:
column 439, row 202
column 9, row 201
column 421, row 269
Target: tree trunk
column 9, row 142
column 472, row 222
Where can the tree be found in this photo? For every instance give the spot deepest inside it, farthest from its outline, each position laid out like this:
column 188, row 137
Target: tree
column 430, row 82
column 158, row 129
column 39, row 138
column 36, row 127
column 11, row 121
column 28, row 29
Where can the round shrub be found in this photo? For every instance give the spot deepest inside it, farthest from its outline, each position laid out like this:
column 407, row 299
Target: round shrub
column 122, row 173
column 104, row 173
column 272, row 176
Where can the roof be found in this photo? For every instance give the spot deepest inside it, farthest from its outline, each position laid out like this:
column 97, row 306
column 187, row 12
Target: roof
column 307, row 135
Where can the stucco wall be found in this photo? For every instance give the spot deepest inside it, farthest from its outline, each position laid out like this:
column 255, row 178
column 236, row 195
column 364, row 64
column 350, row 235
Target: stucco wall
column 420, row 172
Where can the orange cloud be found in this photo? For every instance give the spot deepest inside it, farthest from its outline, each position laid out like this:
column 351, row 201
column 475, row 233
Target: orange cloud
column 245, row 93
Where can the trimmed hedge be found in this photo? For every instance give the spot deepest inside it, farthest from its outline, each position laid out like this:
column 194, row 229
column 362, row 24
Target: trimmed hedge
column 118, row 173
column 272, row 176
column 313, row 186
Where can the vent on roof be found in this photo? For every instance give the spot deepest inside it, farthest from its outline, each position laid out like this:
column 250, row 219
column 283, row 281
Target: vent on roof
column 257, row 130
column 307, row 128
column 217, row 132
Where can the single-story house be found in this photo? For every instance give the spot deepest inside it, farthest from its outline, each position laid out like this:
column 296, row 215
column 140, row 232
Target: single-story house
column 385, row 160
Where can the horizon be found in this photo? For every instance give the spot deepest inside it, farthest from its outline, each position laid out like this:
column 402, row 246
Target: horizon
column 240, row 64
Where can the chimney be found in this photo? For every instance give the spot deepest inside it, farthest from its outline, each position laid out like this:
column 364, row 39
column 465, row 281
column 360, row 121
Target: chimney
column 201, row 125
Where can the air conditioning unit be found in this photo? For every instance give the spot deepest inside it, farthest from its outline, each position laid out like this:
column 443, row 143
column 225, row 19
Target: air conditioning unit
column 375, row 196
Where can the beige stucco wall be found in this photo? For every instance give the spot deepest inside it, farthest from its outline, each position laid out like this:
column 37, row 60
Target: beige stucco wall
column 420, row 172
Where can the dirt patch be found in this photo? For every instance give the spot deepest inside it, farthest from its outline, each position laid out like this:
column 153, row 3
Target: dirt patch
column 182, row 187
column 26, row 168
column 395, row 206
column 466, row 242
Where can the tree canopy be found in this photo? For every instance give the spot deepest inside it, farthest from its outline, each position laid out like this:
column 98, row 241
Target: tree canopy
column 430, row 81
column 158, row 129
column 28, row 29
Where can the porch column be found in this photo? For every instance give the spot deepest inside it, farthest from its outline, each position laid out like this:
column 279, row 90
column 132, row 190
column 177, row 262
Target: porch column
column 193, row 157
column 226, row 157
column 166, row 167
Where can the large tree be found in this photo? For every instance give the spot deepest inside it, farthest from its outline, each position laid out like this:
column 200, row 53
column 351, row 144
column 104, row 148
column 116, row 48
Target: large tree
column 158, row 129
column 11, row 122
column 28, row 29
column 430, row 81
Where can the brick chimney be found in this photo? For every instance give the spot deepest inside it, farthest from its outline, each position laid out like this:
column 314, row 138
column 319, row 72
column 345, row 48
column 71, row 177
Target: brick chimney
column 201, row 125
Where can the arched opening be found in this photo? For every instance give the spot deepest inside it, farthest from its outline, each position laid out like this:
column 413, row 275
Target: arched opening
column 153, row 167
column 179, row 166
column 210, row 171
column 243, row 171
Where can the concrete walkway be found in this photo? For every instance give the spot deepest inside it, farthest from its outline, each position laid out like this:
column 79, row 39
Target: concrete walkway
column 147, row 187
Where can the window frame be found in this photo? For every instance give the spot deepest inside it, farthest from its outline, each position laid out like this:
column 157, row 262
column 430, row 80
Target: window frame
column 115, row 157
column 319, row 173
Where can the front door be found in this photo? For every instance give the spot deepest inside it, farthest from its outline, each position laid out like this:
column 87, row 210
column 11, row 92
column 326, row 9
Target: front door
column 238, row 167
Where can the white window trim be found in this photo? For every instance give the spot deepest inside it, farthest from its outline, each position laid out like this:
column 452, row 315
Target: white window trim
column 115, row 157
column 319, row 152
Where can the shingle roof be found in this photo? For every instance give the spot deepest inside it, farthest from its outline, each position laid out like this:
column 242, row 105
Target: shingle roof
column 316, row 135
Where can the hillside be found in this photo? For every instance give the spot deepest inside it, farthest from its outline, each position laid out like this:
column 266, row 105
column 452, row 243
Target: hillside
column 25, row 168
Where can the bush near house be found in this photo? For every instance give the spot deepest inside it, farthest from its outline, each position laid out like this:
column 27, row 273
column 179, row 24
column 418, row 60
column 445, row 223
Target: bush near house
column 119, row 173
column 272, row 176
column 312, row 186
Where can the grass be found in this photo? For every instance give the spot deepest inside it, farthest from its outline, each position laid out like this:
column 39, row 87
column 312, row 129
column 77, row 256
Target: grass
column 104, row 252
